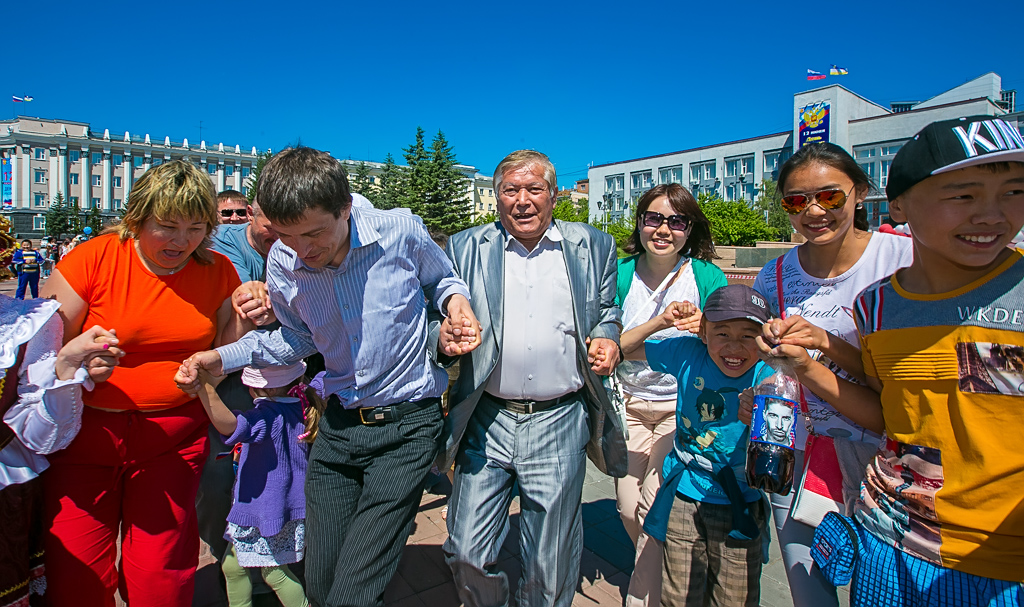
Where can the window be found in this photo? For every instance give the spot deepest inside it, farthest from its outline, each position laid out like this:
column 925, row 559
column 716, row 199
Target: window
column 868, row 153
column 74, row 178
column 245, row 191
column 869, row 168
column 40, row 153
column 95, row 203
column 732, row 167
column 229, row 170
column 211, row 168
column 670, row 175
column 158, row 161
column 709, row 171
column 890, row 150
column 73, row 200
column 117, row 182
column 40, row 200
column 694, row 173
column 884, row 179
column 730, row 192
column 117, row 204
column 40, row 176
column 771, row 162
column 118, row 160
column 97, row 158
column 245, row 172
column 75, row 155
column 137, row 161
column 747, row 165
column 615, row 183
column 748, row 191
column 96, row 180
column 640, row 180
column 39, row 223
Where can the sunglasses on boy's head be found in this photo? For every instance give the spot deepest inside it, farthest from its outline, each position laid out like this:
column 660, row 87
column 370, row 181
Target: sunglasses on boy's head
column 827, row 199
column 225, row 213
column 653, row 219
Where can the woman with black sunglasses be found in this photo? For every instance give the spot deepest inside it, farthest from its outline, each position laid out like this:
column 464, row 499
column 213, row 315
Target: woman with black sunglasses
column 672, row 248
column 823, row 189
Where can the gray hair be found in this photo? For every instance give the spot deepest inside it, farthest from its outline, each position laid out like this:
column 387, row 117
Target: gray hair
column 526, row 158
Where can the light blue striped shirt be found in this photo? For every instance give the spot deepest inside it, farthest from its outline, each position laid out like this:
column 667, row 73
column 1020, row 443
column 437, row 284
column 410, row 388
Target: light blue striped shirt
column 368, row 317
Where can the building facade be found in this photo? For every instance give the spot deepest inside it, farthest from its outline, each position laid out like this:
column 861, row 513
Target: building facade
column 44, row 158
column 735, row 170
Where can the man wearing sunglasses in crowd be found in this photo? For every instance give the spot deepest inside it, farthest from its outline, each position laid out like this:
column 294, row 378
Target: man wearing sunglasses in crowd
column 231, row 207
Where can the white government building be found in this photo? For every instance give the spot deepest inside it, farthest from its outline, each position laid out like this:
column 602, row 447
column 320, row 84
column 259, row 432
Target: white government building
column 735, row 169
column 43, row 158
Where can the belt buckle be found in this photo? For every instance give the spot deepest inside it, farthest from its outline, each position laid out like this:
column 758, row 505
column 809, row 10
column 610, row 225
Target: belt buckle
column 378, row 416
column 522, row 407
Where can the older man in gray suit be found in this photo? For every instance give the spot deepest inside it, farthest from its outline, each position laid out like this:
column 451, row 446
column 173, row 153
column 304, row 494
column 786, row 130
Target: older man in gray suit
column 528, row 406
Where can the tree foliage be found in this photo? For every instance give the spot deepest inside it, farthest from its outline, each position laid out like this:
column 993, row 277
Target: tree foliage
column 62, row 217
column 254, row 174
column 733, row 223
column 768, row 201
column 362, row 182
column 417, row 177
column 567, row 210
column 485, row 219
column 447, row 206
column 94, row 220
column 390, row 184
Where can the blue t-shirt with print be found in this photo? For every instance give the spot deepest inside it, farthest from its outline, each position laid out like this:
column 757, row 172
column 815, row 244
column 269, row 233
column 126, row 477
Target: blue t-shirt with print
column 707, row 428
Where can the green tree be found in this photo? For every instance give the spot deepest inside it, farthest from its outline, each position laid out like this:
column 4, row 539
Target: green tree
column 362, row 182
column 620, row 229
column 446, row 203
column 62, row 217
column 254, row 174
column 418, row 177
column 390, row 184
column 733, row 223
column 95, row 220
column 485, row 219
column 567, row 210
column 767, row 204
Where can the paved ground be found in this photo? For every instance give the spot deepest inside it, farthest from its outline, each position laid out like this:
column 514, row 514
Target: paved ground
column 423, row 579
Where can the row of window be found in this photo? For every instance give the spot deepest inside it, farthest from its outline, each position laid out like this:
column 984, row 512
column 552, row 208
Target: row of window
column 699, row 171
column 137, row 161
column 41, row 201
column 97, row 180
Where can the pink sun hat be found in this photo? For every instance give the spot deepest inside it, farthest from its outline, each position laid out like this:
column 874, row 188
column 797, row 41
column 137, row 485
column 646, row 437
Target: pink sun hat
column 273, row 377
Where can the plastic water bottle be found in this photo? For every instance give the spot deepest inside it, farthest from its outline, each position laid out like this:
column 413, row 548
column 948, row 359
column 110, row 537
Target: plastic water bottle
column 770, row 456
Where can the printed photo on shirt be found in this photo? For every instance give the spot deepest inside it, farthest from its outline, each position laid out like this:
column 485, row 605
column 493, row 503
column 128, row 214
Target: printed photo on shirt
column 989, row 368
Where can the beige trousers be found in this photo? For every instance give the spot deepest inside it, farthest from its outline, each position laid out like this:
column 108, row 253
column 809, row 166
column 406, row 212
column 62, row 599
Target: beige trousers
column 652, row 426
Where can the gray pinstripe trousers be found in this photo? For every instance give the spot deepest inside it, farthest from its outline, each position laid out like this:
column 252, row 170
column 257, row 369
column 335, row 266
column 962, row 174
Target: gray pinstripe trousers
column 363, row 486
column 544, row 453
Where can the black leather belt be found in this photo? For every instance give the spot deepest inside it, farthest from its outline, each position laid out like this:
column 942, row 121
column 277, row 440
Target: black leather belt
column 531, row 406
column 385, row 414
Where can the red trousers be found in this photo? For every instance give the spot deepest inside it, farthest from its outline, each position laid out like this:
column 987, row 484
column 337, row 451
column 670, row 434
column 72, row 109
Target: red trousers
column 136, row 474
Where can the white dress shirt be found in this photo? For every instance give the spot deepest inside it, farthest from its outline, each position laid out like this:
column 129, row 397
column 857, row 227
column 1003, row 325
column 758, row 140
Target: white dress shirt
column 537, row 355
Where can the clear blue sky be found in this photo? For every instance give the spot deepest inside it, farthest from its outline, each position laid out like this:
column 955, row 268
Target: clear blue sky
column 583, row 82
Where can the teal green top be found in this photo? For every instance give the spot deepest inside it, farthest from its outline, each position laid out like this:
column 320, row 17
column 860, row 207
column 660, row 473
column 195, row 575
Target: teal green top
column 707, row 275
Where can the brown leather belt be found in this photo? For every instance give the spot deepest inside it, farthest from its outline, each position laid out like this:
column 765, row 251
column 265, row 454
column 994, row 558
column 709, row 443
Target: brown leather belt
column 531, row 406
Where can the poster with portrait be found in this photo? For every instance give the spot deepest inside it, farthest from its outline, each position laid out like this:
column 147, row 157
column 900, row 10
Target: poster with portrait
column 814, row 122
column 6, row 177
column 774, row 421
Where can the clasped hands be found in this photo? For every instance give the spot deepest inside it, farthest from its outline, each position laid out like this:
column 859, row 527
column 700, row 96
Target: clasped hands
column 460, row 331
column 251, row 301
column 95, row 350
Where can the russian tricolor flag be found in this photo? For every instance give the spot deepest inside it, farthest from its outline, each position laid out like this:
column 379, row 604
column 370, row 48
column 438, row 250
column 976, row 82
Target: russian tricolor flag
column 21, row 99
column 813, row 75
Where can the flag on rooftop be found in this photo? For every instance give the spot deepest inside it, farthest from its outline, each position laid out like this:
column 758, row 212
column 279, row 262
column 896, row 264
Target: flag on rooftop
column 17, row 99
column 813, row 75
column 837, row 71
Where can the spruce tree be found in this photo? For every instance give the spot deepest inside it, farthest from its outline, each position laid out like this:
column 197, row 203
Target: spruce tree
column 390, row 185
column 361, row 182
column 57, row 217
column 417, row 182
column 447, row 206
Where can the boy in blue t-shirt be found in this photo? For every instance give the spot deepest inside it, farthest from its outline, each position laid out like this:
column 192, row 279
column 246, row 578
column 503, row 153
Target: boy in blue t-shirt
column 27, row 262
column 710, row 521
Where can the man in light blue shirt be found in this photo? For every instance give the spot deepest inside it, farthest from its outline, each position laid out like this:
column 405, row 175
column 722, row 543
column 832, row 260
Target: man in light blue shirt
column 355, row 285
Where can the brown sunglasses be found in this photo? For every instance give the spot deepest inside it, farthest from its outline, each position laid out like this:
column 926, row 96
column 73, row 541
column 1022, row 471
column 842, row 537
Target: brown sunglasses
column 827, row 199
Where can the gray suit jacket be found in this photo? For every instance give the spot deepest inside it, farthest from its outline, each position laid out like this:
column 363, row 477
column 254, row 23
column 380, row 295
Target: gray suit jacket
column 478, row 255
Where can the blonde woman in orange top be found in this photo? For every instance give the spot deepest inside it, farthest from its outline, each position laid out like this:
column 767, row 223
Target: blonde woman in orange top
column 134, row 467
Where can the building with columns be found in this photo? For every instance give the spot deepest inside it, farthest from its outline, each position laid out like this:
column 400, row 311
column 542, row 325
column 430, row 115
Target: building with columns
column 43, row 158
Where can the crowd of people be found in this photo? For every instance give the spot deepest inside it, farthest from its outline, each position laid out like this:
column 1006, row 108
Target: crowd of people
column 268, row 376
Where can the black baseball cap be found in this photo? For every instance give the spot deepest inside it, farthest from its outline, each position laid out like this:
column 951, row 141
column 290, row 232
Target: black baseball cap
column 736, row 302
column 948, row 145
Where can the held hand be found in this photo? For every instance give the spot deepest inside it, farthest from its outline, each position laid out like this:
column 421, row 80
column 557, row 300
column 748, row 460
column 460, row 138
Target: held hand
column 682, row 315
column 251, row 301
column 95, row 349
column 460, row 331
column 746, row 408
column 603, row 355
column 797, row 355
column 187, row 377
column 795, row 331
